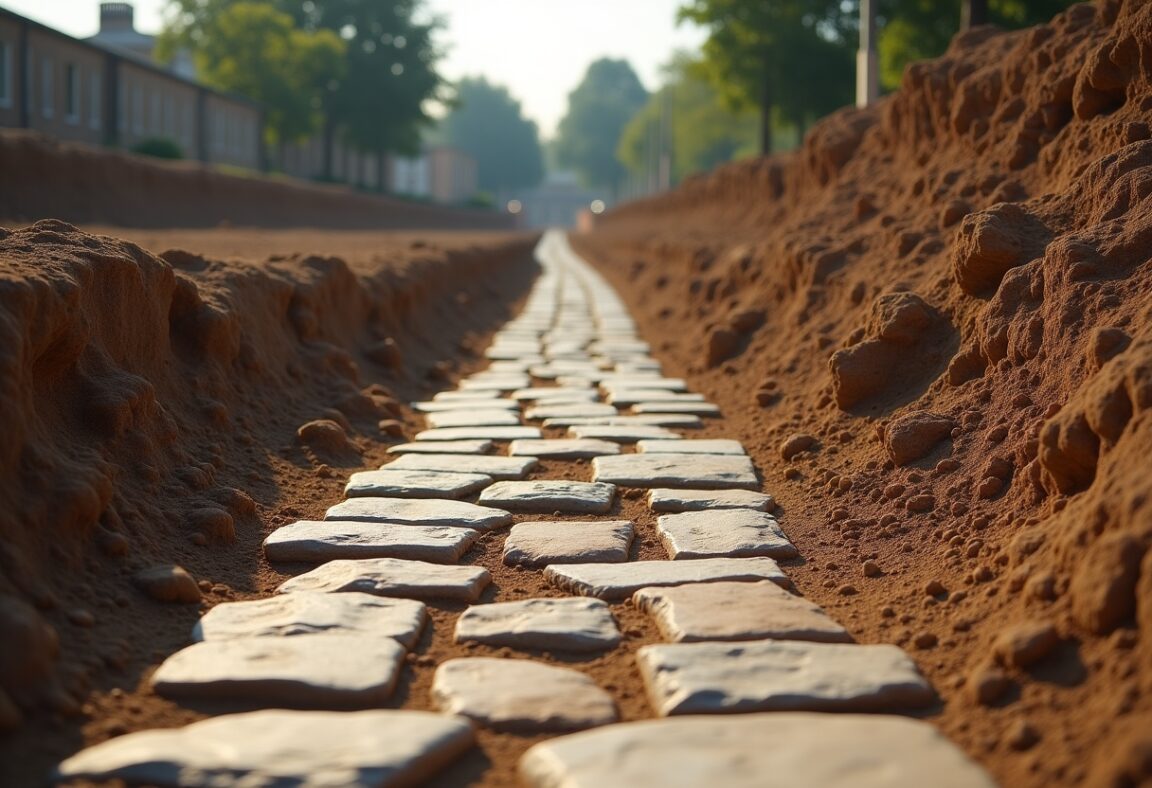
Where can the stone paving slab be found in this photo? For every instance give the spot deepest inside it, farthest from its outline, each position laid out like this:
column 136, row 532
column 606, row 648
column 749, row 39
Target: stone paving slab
column 619, row 581
column 393, row 577
column 571, row 624
column 399, row 483
column 583, row 398
column 780, row 675
column 478, row 433
column 453, row 405
column 549, row 392
column 442, row 447
column 583, row 410
column 550, row 496
column 564, row 448
column 494, row 382
column 281, row 749
column 478, row 397
column 310, row 613
column 662, row 500
column 501, row 468
column 780, row 750
column 648, row 419
column 323, row 671
column 622, row 434
column 705, row 446
column 698, row 471
column 623, row 397
column 539, row 544
column 316, row 542
column 646, row 382
column 689, row 408
column 521, row 696
column 737, row 611
column 493, row 417
column 730, row 533
column 416, row 511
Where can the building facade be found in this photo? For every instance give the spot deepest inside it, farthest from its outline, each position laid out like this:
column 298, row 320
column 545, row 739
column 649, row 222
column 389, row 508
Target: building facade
column 442, row 173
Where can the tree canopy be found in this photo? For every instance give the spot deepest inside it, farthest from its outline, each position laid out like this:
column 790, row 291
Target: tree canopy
column 487, row 123
column 598, row 110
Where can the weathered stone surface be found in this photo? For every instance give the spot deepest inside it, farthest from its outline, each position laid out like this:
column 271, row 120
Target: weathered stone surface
column 699, row 471
column 620, row 581
column 478, row 433
column 564, row 448
column 623, row 397
column 584, row 410
column 498, row 382
column 308, row 540
column 545, row 392
column 661, row 500
column 442, row 447
column 550, row 496
column 549, row 624
column 730, row 533
column 167, row 584
column 493, row 417
column 521, row 695
column 479, row 397
column 538, row 544
column 301, row 749
column 779, row 750
column 685, row 408
column 779, row 675
column 686, row 420
column 708, row 446
column 324, row 671
column 737, row 611
column 453, row 405
column 632, row 381
column 415, row 511
column 622, row 433
column 501, row 468
column 398, row 483
column 393, row 577
column 311, row 613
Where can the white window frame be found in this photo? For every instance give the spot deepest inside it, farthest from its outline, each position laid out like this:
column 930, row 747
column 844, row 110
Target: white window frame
column 71, row 93
column 95, row 97
column 47, row 88
column 5, row 74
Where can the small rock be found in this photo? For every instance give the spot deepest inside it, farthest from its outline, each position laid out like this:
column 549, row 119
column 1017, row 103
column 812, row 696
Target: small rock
column 888, row 611
column 990, row 487
column 168, row 584
column 1021, row 735
column 921, row 503
column 846, row 590
column 925, row 640
column 112, row 544
column 988, row 684
column 216, row 524
column 1025, row 644
column 81, row 617
column 385, row 353
column 722, row 345
column 325, row 436
column 198, row 539
column 796, row 444
column 935, row 588
column 392, row 428
column 893, row 491
column 871, row 569
column 915, row 435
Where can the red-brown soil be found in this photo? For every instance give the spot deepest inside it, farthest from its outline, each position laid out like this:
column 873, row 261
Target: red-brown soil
column 950, row 294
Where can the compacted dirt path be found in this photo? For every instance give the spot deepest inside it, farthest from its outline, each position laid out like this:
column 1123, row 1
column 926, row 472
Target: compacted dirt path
column 571, row 577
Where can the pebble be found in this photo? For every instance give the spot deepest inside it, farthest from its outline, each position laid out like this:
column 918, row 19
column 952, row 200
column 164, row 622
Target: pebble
column 871, row 569
column 796, row 444
column 1025, row 644
column 168, row 584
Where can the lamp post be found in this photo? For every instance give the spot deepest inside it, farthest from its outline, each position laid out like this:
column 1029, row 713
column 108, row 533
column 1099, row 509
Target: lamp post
column 867, row 63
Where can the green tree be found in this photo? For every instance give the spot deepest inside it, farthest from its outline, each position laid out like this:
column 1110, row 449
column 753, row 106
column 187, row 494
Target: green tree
column 794, row 57
column 598, row 110
column 252, row 49
column 703, row 131
column 487, row 124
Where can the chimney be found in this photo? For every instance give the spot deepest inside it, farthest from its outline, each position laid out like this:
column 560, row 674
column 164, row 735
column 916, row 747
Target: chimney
column 116, row 17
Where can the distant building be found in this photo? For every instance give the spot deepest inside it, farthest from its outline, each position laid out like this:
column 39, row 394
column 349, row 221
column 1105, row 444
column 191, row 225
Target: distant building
column 118, row 33
column 444, row 174
column 558, row 202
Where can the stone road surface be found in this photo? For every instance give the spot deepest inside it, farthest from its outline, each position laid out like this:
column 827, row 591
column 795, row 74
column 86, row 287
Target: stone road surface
column 569, row 379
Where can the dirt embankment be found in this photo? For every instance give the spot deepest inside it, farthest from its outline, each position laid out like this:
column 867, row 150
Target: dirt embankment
column 40, row 177
column 935, row 323
column 155, row 410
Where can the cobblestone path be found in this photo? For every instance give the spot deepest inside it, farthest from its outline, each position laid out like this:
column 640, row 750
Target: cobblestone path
column 752, row 685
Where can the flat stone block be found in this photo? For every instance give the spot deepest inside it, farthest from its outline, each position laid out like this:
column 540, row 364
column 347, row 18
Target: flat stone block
column 304, row 614
column 737, row 611
column 622, row 434
column 478, row 433
column 538, row 544
column 550, row 392
column 479, row 397
column 689, row 408
column 780, row 675
column 699, row 471
column 661, row 500
column 316, row 542
column 302, row 749
column 454, row 405
column 488, row 417
column 397, row 483
column 780, row 750
column 707, row 446
column 585, row 410
column 521, row 696
column 415, row 511
column 619, row 581
column 723, row 533
column 546, row 624
column 393, row 577
column 502, row 468
column 567, row 449
column 634, row 381
column 323, row 671
column 623, row 397
column 647, row 419
column 550, row 496
column 442, row 447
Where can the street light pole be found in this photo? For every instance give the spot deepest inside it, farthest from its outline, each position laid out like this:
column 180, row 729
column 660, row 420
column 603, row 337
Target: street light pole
column 867, row 63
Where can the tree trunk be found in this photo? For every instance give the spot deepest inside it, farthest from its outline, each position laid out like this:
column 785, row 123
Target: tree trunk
column 766, row 115
column 973, row 13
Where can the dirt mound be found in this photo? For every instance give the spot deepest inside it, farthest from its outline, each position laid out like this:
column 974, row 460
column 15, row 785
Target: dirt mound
column 42, row 177
column 150, row 408
column 956, row 291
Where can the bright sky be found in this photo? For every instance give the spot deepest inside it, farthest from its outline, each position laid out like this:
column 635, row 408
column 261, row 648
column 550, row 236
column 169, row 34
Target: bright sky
column 539, row 49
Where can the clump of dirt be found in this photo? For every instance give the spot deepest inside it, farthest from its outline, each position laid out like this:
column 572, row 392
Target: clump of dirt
column 950, row 391
column 157, row 411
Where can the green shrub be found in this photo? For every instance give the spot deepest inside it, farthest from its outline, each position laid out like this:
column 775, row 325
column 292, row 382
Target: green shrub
column 159, row 147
